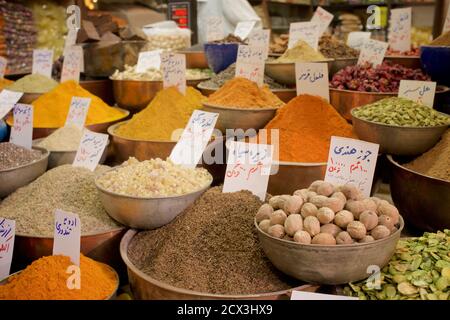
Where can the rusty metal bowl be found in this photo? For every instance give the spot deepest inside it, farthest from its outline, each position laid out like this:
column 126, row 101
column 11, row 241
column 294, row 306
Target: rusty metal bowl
column 424, row 201
column 406, row 61
column 195, row 59
column 145, row 287
column 341, row 63
column 284, row 73
column 325, row 264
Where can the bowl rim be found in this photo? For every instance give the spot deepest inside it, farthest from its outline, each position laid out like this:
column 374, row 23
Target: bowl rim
column 293, row 63
column 45, row 155
column 112, row 128
column 92, row 234
column 202, row 87
column 213, row 106
column 439, row 89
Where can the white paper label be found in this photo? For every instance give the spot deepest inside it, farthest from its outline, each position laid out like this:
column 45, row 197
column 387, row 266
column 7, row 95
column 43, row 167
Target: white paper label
column 323, row 18
column 400, row 29
column 447, row 21
column 244, row 28
column 306, row 31
column 71, row 39
column 3, row 64
column 67, row 235
column 260, row 38
column 7, row 235
column 356, row 39
column 248, row 167
column 189, row 149
column 72, row 63
column 352, row 161
column 312, row 78
column 43, row 62
column 78, row 111
column 250, row 63
column 173, row 67
column 22, row 130
column 90, row 150
column 419, row 91
column 7, row 100
column 303, row 295
column 373, row 52
column 148, row 59
column 214, row 28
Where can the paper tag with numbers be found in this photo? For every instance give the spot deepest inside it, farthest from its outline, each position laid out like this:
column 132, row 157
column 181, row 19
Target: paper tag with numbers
column 7, row 235
column 400, row 29
column 243, row 29
column 67, row 235
column 419, row 91
column 352, row 161
column 356, row 39
column 214, row 28
column 248, row 167
column 304, row 295
column 447, row 22
column 173, row 67
column 373, row 52
column 250, row 63
column 22, row 130
column 306, row 31
column 43, row 62
column 7, row 101
column 312, row 78
column 189, row 149
column 323, row 18
column 3, row 64
column 260, row 38
column 148, row 59
column 90, row 150
column 78, row 111
column 72, row 64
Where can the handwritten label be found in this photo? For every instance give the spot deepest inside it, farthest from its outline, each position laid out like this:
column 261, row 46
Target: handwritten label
column 304, row 295
column 312, row 78
column 7, row 100
column 90, row 150
column 148, row 59
column 250, row 63
column 306, row 31
column 447, row 21
column 3, row 64
column 72, row 63
column 173, row 67
column 189, row 149
column 43, row 62
column 67, row 233
column 244, row 28
column 323, row 18
column 260, row 38
column 248, row 167
column 400, row 29
column 22, row 130
column 373, row 52
column 214, row 28
column 78, row 111
column 352, row 161
column 7, row 235
column 356, row 39
column 419, row 91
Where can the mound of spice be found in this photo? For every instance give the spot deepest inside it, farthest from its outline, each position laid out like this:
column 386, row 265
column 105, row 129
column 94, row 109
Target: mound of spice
column 243, row 93
column 33, row 83
column 152, row 74
column 168, row 111
column 12, row 156
column 384, row 78
column 46, row 279
column 301, row 51
column 231, row 38
column 66, row 138
column 331, row 47
column 67, row 188
column 436, row 161
column 305, row 126
column 5, row 83
column 442, row 40
column 212, row 247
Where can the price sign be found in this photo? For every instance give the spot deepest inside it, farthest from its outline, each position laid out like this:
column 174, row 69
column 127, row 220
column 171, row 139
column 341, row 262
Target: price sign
column 250, row 63
column 323, row 18
column 3, row 64
column 72, row 64
column 352, row 161
column 148, row 59
column 400, row 29
column 248, row 168
column 447, row 21
column 244, row 28
column 90, row 150
column 173, row 67
column 419, row 91
column 312, row 78
column 71, row 39
column 7, row 235
column 78, row 111
column 67, row 235
column 7, row 100
column 304, row 295
column 356, row 39
column 260, row 38
column 373, row 52
column 214, row 28
column 43, row 62
column 306, row 31
column 189, row 149
column 22, row 131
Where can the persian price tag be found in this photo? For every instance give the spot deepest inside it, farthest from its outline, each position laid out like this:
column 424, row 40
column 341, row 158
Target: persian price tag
column 90, row 150
column 372, row 52
column 43, row 62
column 419, row 91
column 173, row 67
column 250, row 63
column 7, row 235
column 306, row 31
column 312, row 78
column 67, row 234
column 22, row 130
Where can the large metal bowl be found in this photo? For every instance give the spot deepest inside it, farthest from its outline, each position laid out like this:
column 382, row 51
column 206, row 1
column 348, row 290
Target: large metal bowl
column 14, row 178
column 145, row 287
column 396, row 140
column 340, row 63
column 406, row 61
column 101, row 88
column 423, row 201
column 325, row 264
column 284, row 73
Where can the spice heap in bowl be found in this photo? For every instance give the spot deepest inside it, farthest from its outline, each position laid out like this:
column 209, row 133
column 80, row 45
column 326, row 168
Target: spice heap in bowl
column 65, row 139
column 301, row 51
column 33, row 83
column 153, row 74
column 332, row 47
column 13, row 156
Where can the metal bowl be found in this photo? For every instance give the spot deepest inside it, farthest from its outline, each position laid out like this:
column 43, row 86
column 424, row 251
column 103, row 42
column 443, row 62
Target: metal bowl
column 423, row 201
column 406, row 61
column 101, row 88
column 341, row 63
column 145, row 287
column 14, row 178
column 325, row 264
column 396, row 140
column 284, row 73
column 195, row 59
column 28, row 98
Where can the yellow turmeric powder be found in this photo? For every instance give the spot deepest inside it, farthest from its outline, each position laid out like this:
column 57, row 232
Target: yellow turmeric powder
column 243, row 93
column 167, row 112
column 46, row 279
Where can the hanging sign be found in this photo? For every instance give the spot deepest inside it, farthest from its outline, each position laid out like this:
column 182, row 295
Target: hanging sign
column 323, row 18
column 42, row 62
column 67, row 234
column 173, row 67
column 306, row 31
column 22, row 130
column 373, row 52
column 7, row 235
column 419, row 91
column 312, row 78
column 400, row 29
column 90, row 150
column 243, row 29
column 78, row 111
column 250, row 63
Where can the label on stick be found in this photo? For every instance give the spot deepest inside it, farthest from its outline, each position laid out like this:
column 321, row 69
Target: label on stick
column 243, row 29
column 400, row 29
column 373, row 52
column 67, row 235
column 419, row 91
column 260, row 38
column 356, row 39
column 312, row 78
column 3, row 64
column 173, row 67
column 323, row 18
column 7, row 235
column 250, row 63
column 72, row 64
column 43, row 62
column 90, row 150
column 306, row 31
column 7, row 101
column 78, row 111
column 22, row 130
column 214, row 28
column 148, row 59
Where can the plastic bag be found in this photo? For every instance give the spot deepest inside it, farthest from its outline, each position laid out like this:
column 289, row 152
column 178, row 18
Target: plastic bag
column 167, row 36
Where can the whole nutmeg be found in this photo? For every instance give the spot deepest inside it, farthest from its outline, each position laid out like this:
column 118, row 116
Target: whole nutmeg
column 302, row 193
column 324, row 238
column 264, row 225
column 366, row 239
column 331, row 229
column 325, row 189
column 315, row 185
column 355, row 207
column 276, row 231
column 277, row 202
column 311, row 225
column 308, row 209
column 325, row 215
column 293, row 224
column 356, row 230
column 343, row 218
column 344, row 238
column 264, row 212
column 370, row 205
column 278, row 217
column 303, row 237
column 350, row 191
column 388, row 210
column 339, row 195
column 319, row 201
column 369, row 219
column 293, row 205
column 386, row 221
column 380, row 232
column 334, row 204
